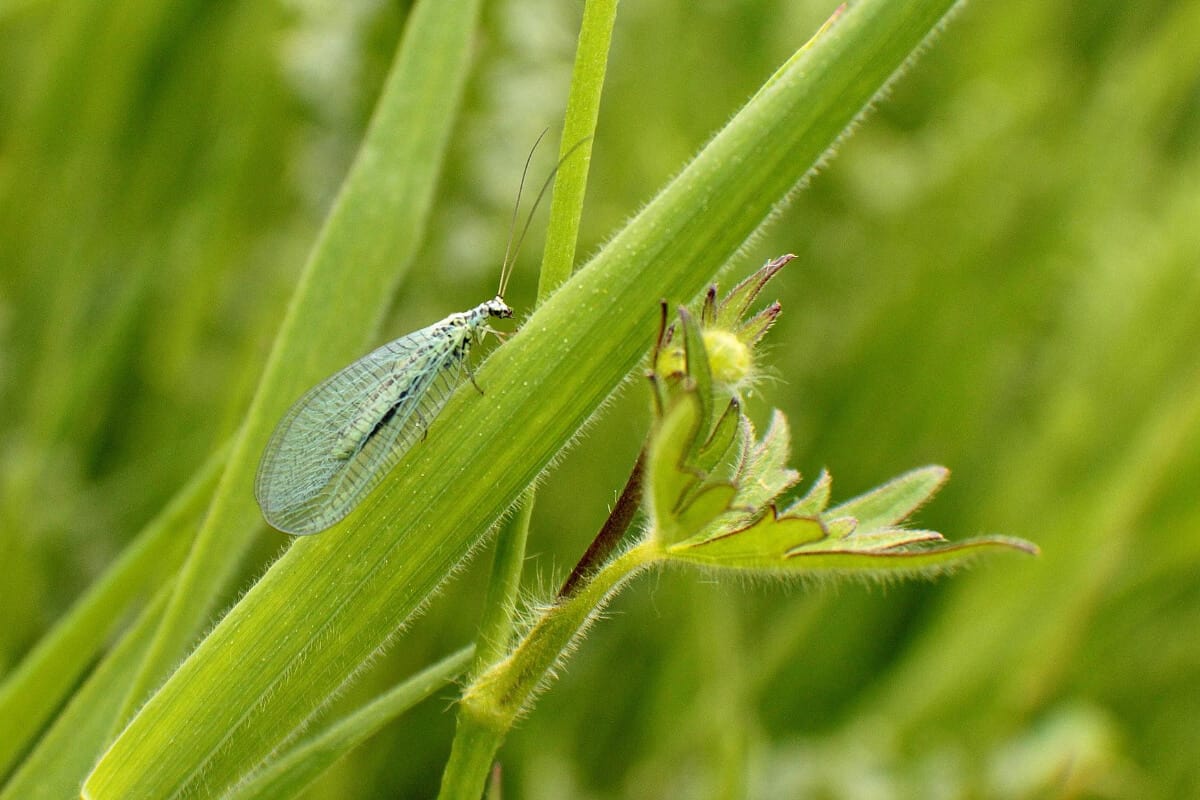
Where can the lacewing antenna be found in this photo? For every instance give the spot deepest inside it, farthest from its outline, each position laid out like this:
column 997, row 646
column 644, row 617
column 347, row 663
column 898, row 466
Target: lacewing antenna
column 511, row 250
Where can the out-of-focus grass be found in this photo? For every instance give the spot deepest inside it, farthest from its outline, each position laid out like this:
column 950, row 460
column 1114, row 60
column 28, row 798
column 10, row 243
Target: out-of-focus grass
column 998, row 273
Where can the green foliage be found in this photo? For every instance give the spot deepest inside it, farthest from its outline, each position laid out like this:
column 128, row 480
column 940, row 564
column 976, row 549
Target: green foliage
column 697, row 520
column 997, row 272
column 734, row 523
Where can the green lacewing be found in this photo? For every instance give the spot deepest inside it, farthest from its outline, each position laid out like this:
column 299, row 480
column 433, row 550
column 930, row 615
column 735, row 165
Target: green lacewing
column 343, row 436
column 339, row 441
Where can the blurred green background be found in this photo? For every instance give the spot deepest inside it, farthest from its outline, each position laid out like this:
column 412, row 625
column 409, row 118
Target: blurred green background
column 999, row 272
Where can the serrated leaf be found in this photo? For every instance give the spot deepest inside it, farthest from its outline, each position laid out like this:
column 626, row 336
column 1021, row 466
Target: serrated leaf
column 724, row 433
column 682, row 503
column 763, row 474
column 894, row 501
column 888, row 538
column 700, row 510
column 707, row 457
column 667, row 471
column 927, row 561
column 817, row 498
column 737, row 303
column 698, row 370
column 764, row 544
column 840, row 527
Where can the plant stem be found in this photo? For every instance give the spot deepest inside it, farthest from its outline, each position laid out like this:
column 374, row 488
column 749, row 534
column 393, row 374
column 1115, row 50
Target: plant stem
column 492, row 703
column 475, row 745
column 579, row 128
column 495, row 629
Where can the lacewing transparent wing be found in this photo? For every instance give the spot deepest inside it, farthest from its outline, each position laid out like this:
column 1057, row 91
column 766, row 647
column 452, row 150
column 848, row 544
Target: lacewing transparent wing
column 342, row 437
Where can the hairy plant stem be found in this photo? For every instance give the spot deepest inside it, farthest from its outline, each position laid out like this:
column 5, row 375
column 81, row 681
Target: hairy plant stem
column 579, row 130
column 493, row 702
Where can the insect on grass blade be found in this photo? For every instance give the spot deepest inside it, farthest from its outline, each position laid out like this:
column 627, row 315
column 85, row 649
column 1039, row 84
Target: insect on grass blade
column 342, row 437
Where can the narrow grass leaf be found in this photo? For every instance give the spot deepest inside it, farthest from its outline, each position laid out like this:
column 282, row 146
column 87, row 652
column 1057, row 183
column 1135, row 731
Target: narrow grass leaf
column 289, row 775
column 579, row 129
column 38, row 686
column 68, row 749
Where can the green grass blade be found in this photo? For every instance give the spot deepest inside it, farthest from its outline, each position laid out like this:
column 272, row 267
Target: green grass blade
column 300, row 766
column 64, row 755
column 36, row 688
column 332, row 601
column 579, row 128
column 504, row 584
column 367, row 242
